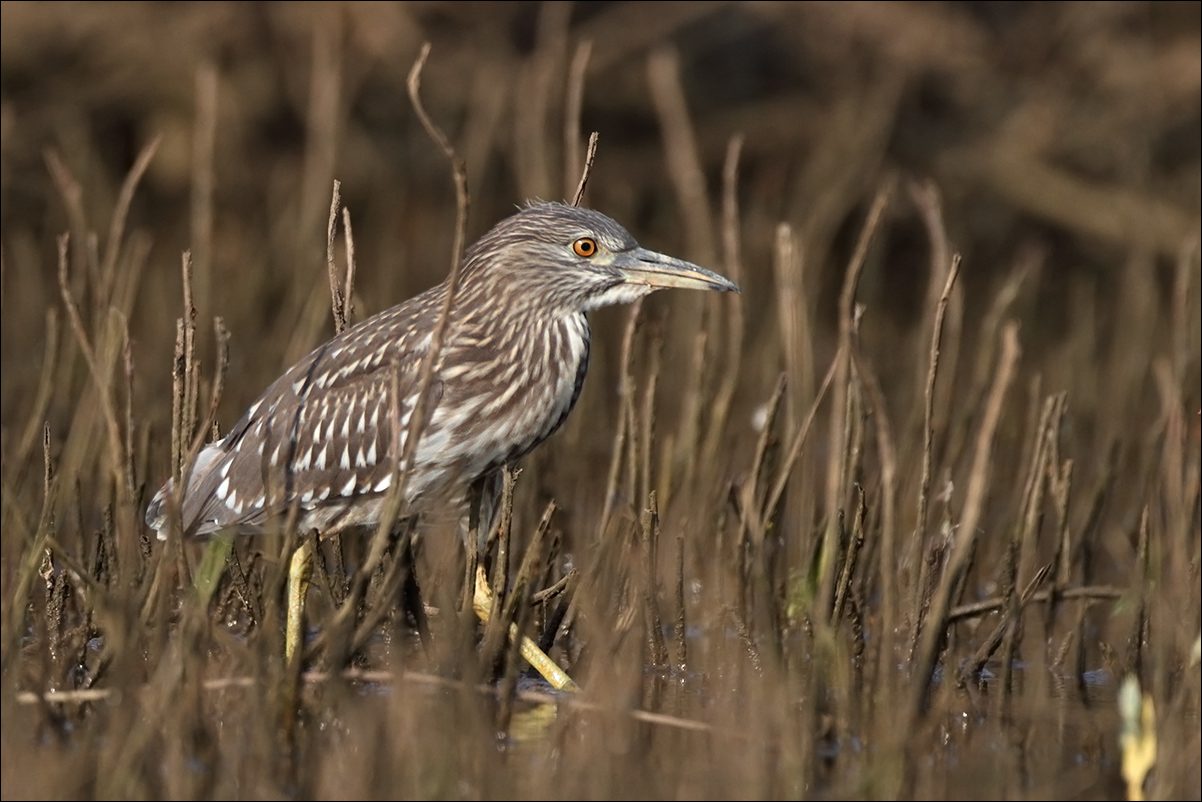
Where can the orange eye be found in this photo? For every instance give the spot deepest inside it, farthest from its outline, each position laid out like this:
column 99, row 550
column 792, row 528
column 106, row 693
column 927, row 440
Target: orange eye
column 585, row 247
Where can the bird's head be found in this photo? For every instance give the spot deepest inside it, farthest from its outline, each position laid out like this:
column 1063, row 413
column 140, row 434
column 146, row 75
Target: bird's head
column 574, row 258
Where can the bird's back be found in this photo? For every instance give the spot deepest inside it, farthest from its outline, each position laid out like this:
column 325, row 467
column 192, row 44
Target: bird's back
column 328, row 434
column 325, row 435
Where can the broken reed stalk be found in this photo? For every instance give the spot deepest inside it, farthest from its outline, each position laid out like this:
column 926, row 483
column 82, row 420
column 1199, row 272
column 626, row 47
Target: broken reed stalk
column 928, row 436
column 338, row 300
column 651, row 616
column 395, row 500
column 646, row 415
column 887, row 454
column 837, row 466
column 621, row 433
column 793, row 314
column 497, row 624
column 516, row 611
column 934, row 627
column 719, row 408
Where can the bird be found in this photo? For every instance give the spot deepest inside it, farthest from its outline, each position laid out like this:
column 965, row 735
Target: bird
column 323, row 436
column 511, row 367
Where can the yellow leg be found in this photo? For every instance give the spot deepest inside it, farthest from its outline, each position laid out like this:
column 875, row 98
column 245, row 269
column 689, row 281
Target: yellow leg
column 299, row 571
column 482, row 604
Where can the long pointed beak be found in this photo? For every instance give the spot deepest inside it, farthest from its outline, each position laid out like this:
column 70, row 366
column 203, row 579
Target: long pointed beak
column 653, row 269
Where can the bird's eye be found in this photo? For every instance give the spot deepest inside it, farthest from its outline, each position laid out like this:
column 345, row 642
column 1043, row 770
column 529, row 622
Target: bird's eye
column 585, row 247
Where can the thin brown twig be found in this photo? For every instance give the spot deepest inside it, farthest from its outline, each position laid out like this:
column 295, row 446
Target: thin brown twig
column 376, row 677
column 337, row 300
column 991, row 605
column 799, row 439
column 928, row 434
column 588, row 168
column 929, row 201
column 928, row 437
column 348, row 292
column 190, row 377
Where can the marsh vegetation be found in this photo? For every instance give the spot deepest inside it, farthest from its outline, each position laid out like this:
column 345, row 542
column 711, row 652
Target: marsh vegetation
column 896, row 522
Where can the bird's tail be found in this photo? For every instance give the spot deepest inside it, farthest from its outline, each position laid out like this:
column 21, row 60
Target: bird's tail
column 156, row 511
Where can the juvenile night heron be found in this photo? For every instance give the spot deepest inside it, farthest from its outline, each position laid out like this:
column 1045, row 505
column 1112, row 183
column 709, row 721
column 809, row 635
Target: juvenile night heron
column 511, row 367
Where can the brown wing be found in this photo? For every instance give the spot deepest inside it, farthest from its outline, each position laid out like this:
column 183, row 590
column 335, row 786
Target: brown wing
column 322, row 434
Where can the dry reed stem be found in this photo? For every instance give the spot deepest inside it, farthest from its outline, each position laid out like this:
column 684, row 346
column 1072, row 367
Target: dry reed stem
column 185, row 383
column 887, row 454
column 622, row 432
column 792, row 310
column 28, row 569
column 99, row 350
column 927, row 198
column 681, row 640
column 843, row 588
column 838, row 464
column 928, row 424
column 348, row 291
column 749, row 496
column 652, row 621
column 587, row 169
column 1130, row 460
column 646, row 423
column 517, row 610
column 338, row 300
column 934, row 627
column 399, row 570
column 413, row 431
column 992, row 605
column 1020, row 553
column 685, row 168
column 125, row 198
column 719, row 408
column 799, row 438
column 497, row 624
column 1028, row 262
